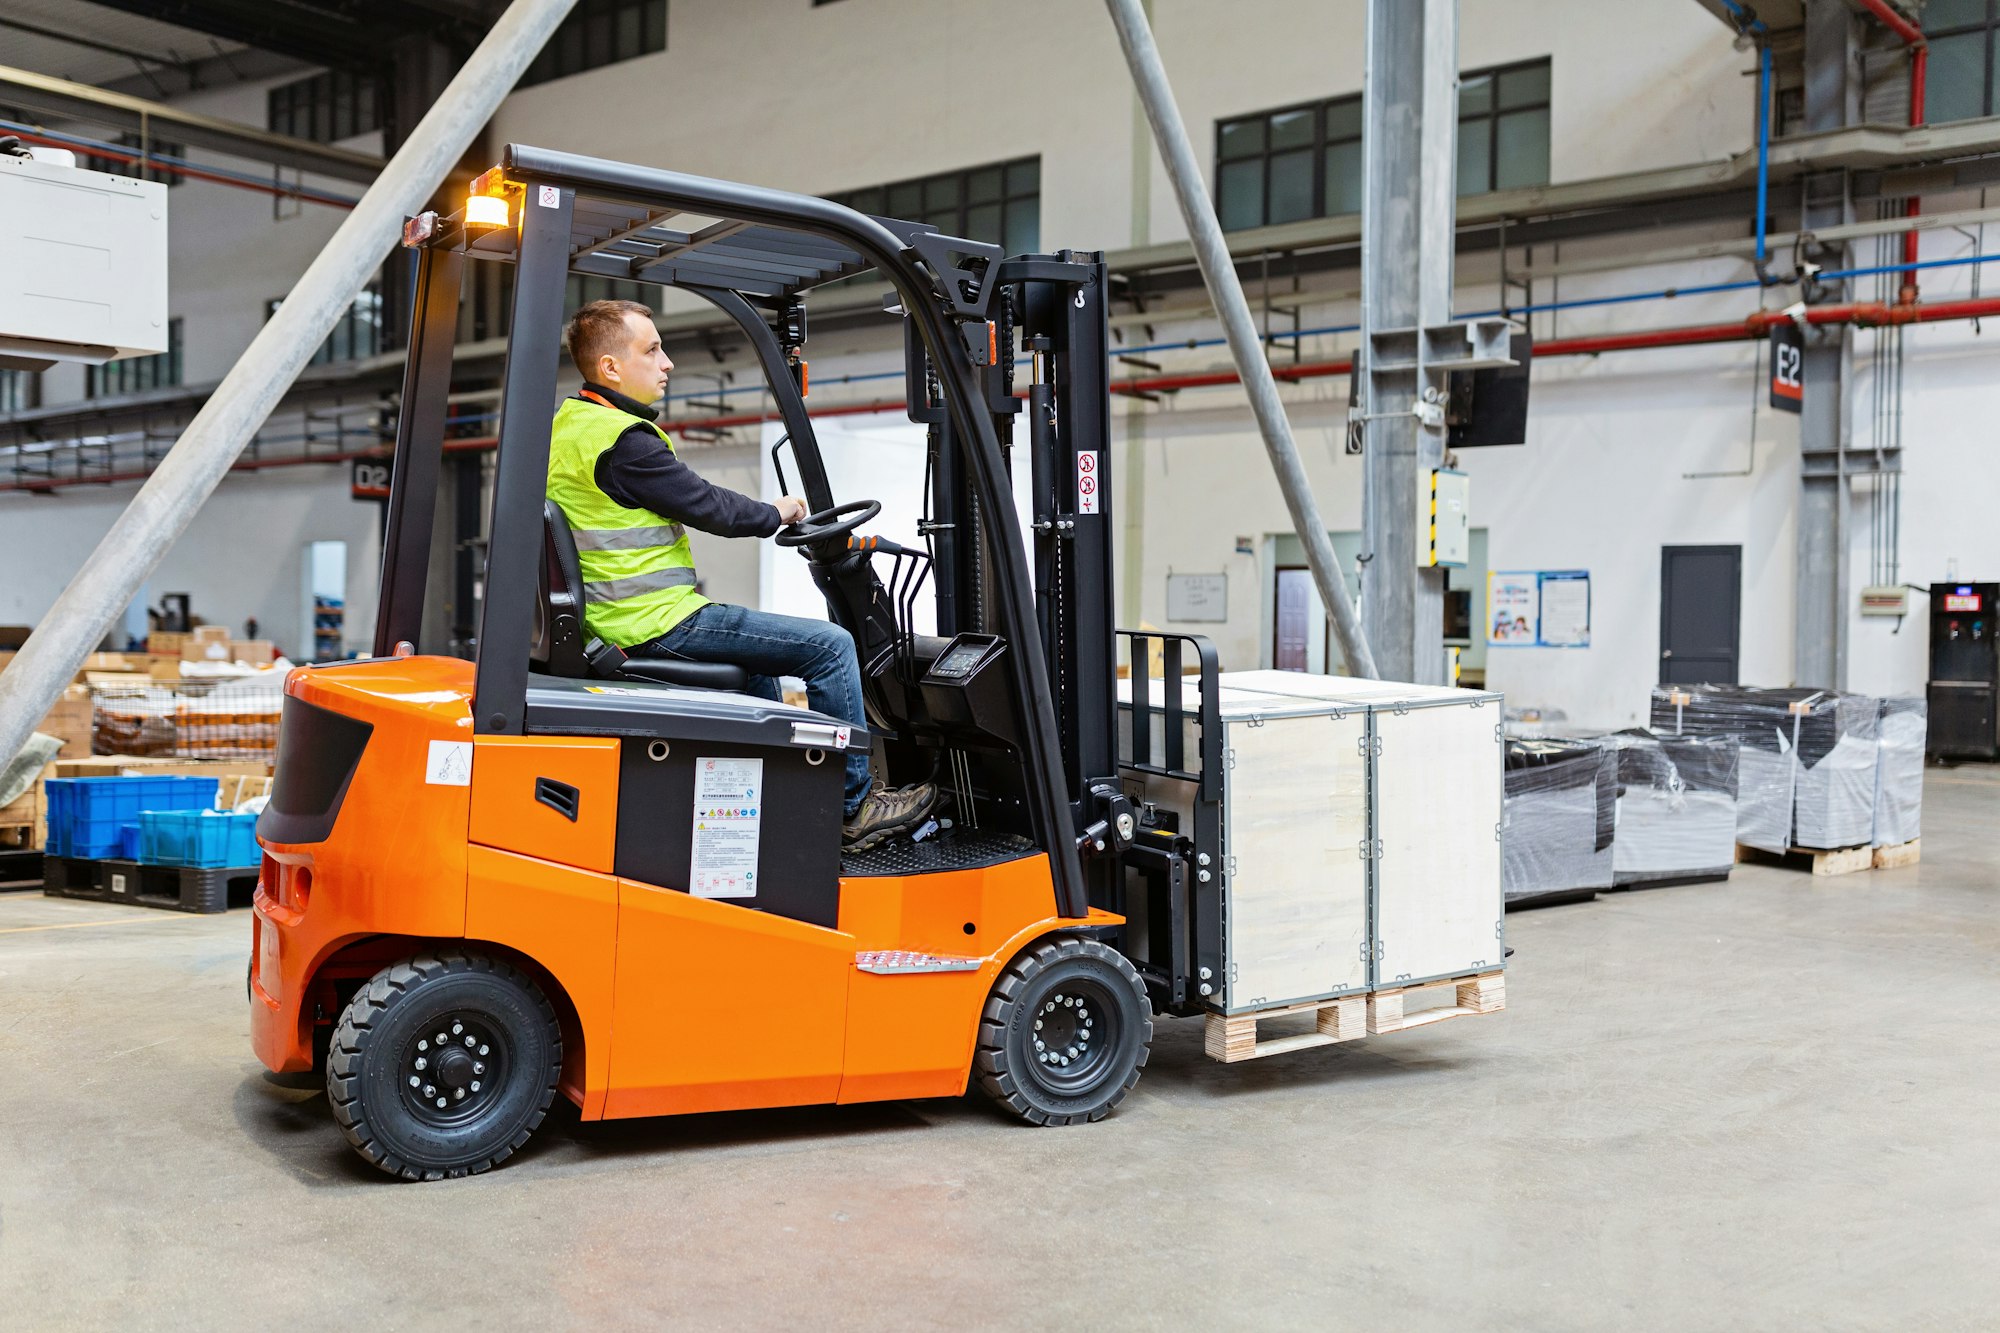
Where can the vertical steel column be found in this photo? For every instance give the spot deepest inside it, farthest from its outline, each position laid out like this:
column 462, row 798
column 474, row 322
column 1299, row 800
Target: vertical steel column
column 521, row 477
column 1409, row 159
column 1819, row 638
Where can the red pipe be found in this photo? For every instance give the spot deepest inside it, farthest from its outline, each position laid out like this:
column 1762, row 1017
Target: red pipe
column 1894, row 22
column 1867, row 314
column 192, row 173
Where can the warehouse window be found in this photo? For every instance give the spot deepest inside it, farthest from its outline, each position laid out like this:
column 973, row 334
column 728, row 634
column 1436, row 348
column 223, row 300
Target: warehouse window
column 1304, row 161
column 18, row 390
column 137, row 373
column 326, row 107
column 1959, row 83
column 118, row 166
column 600, row 32
column 1503, row 128
column 1296, row 162
column 357, row 334
column 1000, row 203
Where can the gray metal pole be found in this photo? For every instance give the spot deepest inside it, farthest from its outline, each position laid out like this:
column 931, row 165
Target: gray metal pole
column 1219, row 272
column 1409, row 146
column 168, row 501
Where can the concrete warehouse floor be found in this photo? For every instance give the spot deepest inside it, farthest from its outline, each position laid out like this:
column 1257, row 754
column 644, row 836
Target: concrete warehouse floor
column 1766, row 1103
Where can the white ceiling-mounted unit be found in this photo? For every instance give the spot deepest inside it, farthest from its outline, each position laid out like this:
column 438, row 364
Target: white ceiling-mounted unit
column 83, row 263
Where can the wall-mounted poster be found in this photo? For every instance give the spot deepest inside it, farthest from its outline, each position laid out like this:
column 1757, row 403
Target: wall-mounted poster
column 1513, row 608
column 1565, row 608
column 1546, row 608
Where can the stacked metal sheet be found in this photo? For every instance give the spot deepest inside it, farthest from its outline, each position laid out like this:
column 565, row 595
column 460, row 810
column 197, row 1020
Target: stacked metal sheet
column 1899, row 771
column 1561, row 814
column 1807, row 772
column 1677, row 811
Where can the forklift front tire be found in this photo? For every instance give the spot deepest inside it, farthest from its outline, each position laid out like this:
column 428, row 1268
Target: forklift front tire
column 1065, row 1032
column 443, row 1065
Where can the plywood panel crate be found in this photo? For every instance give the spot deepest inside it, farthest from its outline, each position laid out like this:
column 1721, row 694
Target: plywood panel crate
column 1345, row 849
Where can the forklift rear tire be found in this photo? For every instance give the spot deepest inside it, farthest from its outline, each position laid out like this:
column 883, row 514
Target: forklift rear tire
column 443, row 1064
column 1065, row 1032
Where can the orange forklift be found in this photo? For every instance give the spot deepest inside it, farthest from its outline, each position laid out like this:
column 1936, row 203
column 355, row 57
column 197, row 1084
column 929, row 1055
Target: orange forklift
column 554, row 869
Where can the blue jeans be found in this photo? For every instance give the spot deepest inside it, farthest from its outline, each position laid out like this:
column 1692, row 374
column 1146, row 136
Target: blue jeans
column 769, row 646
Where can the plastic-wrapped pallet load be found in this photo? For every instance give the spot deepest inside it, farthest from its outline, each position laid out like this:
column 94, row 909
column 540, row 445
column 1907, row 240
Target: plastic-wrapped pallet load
column 1561, row 799
column 1899, row 771
column 1677, row 816
column 1806, row 776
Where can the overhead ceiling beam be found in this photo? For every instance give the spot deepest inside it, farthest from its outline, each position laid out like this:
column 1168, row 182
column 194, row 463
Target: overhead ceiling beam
column 62, row 97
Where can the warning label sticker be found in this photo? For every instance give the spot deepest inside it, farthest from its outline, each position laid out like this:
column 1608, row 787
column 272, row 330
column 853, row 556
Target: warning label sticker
column 1086, row 482
column 728, row 814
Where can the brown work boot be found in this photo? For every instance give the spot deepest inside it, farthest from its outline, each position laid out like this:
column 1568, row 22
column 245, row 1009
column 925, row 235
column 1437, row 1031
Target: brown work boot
column 886, row 813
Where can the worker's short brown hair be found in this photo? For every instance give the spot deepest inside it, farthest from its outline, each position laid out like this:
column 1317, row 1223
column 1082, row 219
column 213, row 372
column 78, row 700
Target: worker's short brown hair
column 598, row 328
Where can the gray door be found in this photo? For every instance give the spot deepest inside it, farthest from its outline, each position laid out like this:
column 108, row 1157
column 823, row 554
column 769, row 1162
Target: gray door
column 1291, row 649
column 1701, row 597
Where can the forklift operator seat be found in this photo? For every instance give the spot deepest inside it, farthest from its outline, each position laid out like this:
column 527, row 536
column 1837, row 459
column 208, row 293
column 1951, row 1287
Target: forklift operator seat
column 561, row 644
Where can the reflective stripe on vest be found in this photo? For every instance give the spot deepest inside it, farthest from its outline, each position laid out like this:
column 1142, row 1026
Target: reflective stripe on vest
column 634, row 585
column 637, row 569
column 626, row 539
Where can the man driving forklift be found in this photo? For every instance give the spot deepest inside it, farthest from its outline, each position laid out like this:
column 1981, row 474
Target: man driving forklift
column 627, row 496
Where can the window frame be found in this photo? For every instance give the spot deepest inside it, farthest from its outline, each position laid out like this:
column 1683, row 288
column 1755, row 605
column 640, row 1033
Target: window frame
column 1495, row 111
column 1988, row 27
column 318, row 99
column 876, row 200
column 161, row 370
column 589, row 39
column 139, row 170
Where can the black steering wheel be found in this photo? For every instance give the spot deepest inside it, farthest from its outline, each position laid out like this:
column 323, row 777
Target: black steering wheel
column 829, row 523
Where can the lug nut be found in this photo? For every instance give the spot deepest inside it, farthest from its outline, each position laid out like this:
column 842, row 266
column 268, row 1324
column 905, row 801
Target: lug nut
column 460, row 1094
column 470, row 1040
column 430, row 1091
column 475, row 1085
column 423, row 1045
column 441, row 1103
column 457, row 1028
column 478, row 1068
column 483, row 1050
column 422, row 1063
column 414, row 1080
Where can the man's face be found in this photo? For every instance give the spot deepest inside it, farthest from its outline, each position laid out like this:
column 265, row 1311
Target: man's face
column 640, row 372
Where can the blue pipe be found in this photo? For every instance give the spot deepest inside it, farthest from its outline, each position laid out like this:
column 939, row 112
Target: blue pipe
column 1763, row 150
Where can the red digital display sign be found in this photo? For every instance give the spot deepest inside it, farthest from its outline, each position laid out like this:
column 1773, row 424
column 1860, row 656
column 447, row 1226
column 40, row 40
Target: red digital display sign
column 1961, row 601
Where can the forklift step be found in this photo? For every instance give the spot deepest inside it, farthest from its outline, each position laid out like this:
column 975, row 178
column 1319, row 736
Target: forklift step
column 951, row 849
column 173, row 888
column 1233, row 1037
column 895, row 962
column 20, row 870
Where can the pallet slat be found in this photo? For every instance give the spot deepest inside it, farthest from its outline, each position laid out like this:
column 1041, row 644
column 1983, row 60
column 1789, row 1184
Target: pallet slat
column 1820, row 860
column 1233, row 1037
column 1900, row 855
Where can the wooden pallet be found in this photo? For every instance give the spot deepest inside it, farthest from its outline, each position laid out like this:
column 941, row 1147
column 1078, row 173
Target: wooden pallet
column 1902, row 854
column 1233, row 1037
column 20, row 837
column 1821, row 861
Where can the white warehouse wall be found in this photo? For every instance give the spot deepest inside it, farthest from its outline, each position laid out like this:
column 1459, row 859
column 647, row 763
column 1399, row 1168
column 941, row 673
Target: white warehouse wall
column 869, row 95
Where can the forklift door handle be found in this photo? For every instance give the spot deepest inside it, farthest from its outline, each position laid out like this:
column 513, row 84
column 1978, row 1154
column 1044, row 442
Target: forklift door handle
column 558, row 796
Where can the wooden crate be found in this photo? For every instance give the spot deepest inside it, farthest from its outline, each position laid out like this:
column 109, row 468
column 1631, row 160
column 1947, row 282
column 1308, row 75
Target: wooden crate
column 1233, row 1037
column 24, row 821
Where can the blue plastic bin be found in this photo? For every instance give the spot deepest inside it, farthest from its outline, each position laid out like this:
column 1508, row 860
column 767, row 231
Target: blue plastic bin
column 128, row 842
column 205, row 838
column 85, row 814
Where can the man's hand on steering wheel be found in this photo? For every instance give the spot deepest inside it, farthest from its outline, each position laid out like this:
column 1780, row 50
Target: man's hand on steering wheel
column 790, row 509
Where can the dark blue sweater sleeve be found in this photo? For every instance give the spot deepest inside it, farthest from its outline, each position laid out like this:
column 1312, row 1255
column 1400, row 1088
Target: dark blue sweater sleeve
column 640, row 472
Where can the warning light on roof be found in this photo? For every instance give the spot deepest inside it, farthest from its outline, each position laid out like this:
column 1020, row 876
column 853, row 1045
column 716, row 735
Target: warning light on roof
column 483, row 212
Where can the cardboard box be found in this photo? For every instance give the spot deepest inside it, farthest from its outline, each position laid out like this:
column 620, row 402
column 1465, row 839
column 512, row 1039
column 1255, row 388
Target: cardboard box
column 209, row 634
column 166, row 670
column 70, row 722
column 207, row 650
column 116, row 765
column 257, row 652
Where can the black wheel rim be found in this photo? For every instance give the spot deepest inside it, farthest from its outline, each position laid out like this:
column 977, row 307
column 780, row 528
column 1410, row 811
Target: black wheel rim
column 1074, row 1037
column 454, row 1068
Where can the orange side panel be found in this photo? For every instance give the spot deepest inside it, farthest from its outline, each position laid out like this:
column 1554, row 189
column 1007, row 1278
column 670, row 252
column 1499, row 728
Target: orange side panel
column 719, row 1007
column 912, row 1034
column 564, row 919
column 506, row 815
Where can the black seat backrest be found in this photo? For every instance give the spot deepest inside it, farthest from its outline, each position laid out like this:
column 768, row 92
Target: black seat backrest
column 557, row 649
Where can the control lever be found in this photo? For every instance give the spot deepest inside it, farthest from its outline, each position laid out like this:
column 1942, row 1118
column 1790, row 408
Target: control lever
column 873, row 544
column 1115, row 831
